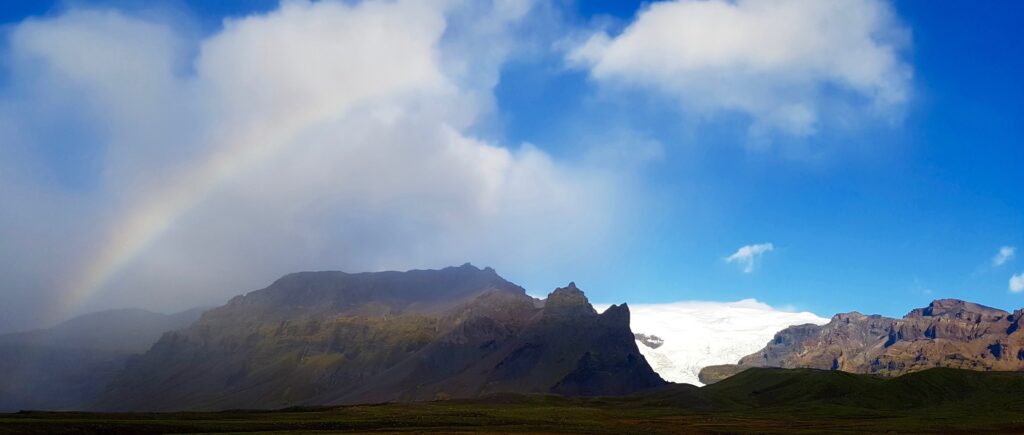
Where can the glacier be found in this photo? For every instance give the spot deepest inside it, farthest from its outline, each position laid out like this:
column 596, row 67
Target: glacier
column 696, row 334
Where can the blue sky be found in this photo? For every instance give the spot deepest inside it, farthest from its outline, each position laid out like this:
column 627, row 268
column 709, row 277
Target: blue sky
column 636, row 184
column 888, row 219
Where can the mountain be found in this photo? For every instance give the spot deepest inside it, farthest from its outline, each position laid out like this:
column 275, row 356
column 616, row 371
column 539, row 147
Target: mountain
column 68, row 366
column 318, row 338
column 946, row 333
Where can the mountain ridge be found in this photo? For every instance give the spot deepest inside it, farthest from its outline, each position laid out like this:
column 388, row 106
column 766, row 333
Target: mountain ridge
column 313, row 338
column 945, row 333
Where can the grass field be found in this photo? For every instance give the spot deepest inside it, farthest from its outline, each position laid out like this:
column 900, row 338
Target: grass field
column 762, row 401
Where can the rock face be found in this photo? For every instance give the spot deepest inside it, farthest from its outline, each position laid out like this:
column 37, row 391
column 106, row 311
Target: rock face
column 946, row 333
column 322, row 338
column 651, row 341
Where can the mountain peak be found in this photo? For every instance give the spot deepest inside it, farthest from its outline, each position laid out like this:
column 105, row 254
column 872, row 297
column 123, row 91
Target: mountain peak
column 568, row 300
column 469, row 267
column 616, row 315
column 847, row 317
column 568, row 294
column 955, row 308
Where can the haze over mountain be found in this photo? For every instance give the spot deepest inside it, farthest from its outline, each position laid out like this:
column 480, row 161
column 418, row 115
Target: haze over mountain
column 947, row 333
column 336, row 338
column 68, row 365
column 126, row 330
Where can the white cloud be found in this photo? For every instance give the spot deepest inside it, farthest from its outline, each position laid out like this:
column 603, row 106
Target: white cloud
column 1006, row 253
column 698, row 334
column 748, row 255
column 322, row 135
column 1017, row 283
column 782, row 62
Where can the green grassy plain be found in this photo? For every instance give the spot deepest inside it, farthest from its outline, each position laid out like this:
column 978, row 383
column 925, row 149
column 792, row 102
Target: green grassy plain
column 757, row 401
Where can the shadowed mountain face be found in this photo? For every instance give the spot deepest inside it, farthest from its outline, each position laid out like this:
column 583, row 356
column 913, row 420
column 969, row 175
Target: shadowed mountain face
column 69, row 365
column 946, row 333
column 337, row 338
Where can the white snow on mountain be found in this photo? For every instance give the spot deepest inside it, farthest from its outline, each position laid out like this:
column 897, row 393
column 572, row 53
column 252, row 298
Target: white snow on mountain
column 697, row 334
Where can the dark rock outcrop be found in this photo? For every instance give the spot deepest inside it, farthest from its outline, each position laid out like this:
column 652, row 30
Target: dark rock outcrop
column 651, row 341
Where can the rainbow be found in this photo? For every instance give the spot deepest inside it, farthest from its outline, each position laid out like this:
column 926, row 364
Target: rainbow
column 147, row 220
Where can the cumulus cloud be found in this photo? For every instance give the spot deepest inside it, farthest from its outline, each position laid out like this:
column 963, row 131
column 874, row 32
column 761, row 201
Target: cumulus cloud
column 783, row 63
column 1006, row 253
column 697, row 334
column 321, row 135
column 1017, row 283
column 748, row 255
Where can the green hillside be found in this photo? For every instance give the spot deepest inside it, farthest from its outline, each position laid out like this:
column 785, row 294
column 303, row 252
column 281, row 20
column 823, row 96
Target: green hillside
column 756, row 401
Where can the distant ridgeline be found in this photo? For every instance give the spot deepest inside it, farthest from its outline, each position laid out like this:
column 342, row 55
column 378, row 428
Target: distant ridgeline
column 322, row 338
column 68, row 366
column 946, row 333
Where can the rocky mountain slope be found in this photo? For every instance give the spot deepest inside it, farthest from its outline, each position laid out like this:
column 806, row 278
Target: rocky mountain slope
column 336, row 338
column 946, row 333
column 67, row 366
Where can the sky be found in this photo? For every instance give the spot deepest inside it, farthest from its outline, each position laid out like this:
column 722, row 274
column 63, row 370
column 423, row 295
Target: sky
column 854, row 155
